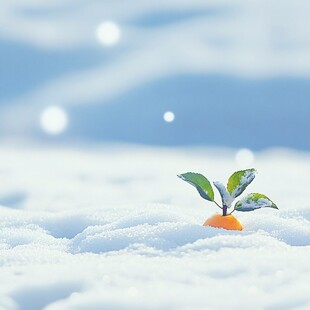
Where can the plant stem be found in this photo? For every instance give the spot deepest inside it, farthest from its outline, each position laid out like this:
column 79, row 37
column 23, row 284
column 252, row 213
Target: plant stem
column 217, row 204
column 224, row 210
column 232, row 211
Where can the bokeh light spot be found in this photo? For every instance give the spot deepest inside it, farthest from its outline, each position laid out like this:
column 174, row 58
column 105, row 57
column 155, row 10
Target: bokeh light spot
column 244, row 157
column 169, row 116
column 108, row 33
column 54, row 120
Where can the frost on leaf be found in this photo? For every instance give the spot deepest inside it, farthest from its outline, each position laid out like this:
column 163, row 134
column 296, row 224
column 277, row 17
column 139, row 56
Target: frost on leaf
column 201, row 183
column 226, row 197
column 238, row 182
column 254, row 201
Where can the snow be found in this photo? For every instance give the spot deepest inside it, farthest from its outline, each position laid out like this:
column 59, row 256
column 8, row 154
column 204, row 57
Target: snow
column 227, row 199
column 112, row 227
column 246, row 179
column 250, row 203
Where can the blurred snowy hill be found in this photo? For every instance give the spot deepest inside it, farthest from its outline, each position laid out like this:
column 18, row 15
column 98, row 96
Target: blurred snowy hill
column 233, row 73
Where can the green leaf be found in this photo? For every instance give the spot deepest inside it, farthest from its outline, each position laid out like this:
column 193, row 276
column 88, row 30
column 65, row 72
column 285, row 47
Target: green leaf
column 201, row 183
column 254, row 201
column 238, row 181
column 226, row 197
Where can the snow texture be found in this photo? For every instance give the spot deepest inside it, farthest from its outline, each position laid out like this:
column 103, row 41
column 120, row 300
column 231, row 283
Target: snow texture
column 245, row 180
column 114, row 228
column 251, row 203
column 227, row 199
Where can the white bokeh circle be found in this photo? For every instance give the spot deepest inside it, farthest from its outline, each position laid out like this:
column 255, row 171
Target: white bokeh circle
column 169, row 117
column 244, row 157
column 108, row 33
column 54, row 120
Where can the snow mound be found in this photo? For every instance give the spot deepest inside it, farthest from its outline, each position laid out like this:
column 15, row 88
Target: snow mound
column 122, row 263
column 90, row 240
column 79, row 232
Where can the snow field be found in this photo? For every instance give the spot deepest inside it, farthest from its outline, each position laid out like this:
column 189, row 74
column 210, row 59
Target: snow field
column 113, row 228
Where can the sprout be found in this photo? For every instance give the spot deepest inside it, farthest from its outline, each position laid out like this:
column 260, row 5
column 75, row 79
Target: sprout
column 236, row 185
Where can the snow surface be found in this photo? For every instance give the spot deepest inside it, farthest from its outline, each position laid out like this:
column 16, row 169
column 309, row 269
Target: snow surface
column 114, row 228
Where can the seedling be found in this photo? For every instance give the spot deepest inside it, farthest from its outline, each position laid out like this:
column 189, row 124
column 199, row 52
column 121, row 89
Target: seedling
column 236, row 185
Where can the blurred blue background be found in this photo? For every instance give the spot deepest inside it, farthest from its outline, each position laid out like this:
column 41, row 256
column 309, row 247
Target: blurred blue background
column 234, row 74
